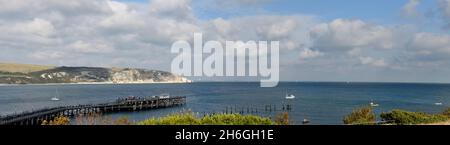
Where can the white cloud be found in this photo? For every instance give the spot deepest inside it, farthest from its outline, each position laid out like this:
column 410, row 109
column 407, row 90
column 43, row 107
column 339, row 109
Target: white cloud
column 346, row 35
column 428, row 46
column 291, row 31
column 308, row 53
column 43, row 55
column 444, row 6
column 37, row 26
column 95, row 47
column 410, row 9
column 373, row 62
column 177, row 9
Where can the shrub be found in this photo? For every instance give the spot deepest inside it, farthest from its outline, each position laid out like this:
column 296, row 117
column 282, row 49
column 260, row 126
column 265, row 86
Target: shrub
column 282, row 119
column 173, row 119
column 100, row 119
column 60, row 120
column 190, row 118
column 122, row 121
column 402, row 117
column 446, row 112
column 362, row 115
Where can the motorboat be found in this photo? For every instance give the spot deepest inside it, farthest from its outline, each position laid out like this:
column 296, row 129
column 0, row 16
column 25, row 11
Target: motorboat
column 55, row 99
column 372, row 104
column 305, row 121
column 438, row 104
column 290, row 96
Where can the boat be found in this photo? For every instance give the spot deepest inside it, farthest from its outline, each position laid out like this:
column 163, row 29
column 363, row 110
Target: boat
column 55, row 98
column 305, row 121
column 290, row 96
column 372, row 104
column 438, row 104
column 164, row 96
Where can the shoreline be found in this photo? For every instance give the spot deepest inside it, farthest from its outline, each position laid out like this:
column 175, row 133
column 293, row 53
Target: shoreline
column 94, row 83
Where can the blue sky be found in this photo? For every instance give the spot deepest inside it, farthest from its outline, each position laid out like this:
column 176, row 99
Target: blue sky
column 383, row 11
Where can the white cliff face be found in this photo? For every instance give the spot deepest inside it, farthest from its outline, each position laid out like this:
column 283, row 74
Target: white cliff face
column 53, row 75
column 144, row 76
column 126, row 76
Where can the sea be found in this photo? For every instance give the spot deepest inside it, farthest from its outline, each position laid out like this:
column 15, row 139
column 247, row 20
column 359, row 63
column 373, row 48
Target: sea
column 323, row 103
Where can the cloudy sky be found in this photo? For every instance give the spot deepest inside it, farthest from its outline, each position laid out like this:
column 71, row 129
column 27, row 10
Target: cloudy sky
column 320, row 40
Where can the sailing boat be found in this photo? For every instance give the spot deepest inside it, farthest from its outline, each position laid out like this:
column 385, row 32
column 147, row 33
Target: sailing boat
column 55, row 98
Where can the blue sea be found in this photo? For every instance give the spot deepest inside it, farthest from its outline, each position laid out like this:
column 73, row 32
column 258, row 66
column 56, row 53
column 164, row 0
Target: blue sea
column 320, row 102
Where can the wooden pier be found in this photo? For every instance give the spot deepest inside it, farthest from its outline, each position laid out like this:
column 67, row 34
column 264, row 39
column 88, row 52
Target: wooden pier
column 121, row 105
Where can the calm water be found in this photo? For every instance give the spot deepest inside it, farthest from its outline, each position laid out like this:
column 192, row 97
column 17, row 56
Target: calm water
column 322, row 103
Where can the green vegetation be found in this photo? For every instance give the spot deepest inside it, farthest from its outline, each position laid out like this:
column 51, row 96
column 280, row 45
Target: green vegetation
column 11, row 73
column 446, row 112
column 60, row 120
column 401, row 117
column 190, row 118
column 365, row 116
column 22, row 68
column 100, row 119
column 362, row 115
column 283, row 119
column 182, row 118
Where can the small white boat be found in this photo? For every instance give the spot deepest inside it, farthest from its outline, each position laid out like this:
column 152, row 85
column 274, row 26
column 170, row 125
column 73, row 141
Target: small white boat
column 290, row 96
column 164, row 96
column 305, row 121
column 55, row 99
column 438, row 104
column 374, row 104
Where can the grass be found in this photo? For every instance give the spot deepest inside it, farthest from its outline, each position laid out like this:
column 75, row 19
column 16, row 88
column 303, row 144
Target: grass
column 22, row 68
column 12, row 74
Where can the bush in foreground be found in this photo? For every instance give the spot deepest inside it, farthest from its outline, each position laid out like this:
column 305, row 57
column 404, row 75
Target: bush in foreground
column 216, row 119
column 60, row 120
column 283, row 119
column 362, row 115
column 402, row 117
column 446, row 112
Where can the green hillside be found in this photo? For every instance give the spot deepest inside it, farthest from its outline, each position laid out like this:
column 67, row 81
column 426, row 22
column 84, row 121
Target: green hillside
column 22, row 68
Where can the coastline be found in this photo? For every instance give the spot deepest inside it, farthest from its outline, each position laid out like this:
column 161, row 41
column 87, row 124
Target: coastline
column 95, row 83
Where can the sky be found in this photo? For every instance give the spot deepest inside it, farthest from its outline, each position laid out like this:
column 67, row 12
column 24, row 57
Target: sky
column 320, row 40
